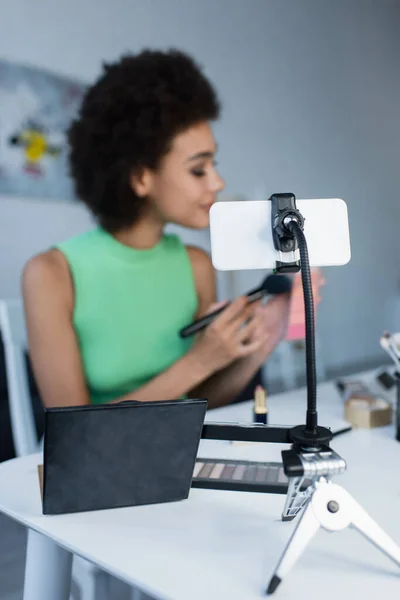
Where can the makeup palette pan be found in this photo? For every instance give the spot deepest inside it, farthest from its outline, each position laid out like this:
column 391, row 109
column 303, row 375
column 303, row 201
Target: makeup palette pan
column 240, row 476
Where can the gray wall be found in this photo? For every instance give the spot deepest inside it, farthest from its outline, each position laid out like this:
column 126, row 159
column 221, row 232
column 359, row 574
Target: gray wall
column 311, row 93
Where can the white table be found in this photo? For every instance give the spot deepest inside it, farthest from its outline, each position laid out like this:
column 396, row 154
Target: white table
column 219, row 544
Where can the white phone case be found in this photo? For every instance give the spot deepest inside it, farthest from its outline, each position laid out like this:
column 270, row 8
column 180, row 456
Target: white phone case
column 241, row 234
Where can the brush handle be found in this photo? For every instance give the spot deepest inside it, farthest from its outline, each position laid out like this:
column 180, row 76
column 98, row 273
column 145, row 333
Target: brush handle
column 207, row 319
column 397, row 407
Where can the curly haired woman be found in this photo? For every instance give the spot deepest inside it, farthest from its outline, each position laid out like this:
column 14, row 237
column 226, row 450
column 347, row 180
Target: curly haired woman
column 104, row 308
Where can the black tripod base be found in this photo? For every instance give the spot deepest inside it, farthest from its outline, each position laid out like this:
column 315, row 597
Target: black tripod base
column 320, row 436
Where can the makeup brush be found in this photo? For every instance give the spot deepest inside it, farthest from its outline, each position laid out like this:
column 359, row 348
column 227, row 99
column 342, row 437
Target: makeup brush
column 394, row 338
column 387, row 344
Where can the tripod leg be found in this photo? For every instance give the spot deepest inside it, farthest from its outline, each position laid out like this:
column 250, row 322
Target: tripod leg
column 361, row 521
column 296, row 498
column 306, row 528
column 336, row 509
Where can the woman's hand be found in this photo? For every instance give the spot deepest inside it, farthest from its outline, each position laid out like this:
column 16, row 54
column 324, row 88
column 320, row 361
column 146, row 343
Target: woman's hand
column 317, row 281
column 272, row 324
column 297, row 319
column 284, row 312
column 232, row 335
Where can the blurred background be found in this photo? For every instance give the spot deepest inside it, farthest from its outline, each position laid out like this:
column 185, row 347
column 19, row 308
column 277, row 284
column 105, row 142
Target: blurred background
column 311, row 96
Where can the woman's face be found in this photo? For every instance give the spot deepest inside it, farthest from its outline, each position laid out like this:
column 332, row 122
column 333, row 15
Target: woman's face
column 185, row 185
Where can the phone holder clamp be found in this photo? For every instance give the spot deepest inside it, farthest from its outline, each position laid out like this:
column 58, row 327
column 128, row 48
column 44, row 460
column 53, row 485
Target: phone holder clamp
column 283, row 211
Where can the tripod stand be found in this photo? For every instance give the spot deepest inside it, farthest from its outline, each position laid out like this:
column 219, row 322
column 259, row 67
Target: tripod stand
column 324, row 504
column 310, row 463
column 330, row 506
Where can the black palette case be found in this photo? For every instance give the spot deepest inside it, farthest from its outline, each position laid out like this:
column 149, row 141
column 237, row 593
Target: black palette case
column 123, row 454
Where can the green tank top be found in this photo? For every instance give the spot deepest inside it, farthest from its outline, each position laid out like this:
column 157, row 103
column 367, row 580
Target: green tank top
column 128, row 308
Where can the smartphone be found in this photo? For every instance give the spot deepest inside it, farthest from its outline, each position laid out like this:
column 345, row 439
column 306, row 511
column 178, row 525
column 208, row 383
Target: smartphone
column 241, row 234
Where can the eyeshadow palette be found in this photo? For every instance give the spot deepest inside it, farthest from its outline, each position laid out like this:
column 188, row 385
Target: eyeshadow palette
column 240, row 476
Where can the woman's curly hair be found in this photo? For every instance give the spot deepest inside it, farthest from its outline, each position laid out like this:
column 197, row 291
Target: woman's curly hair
column 127, row 120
